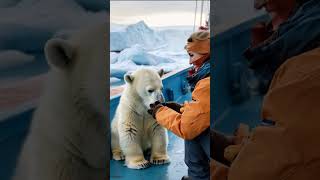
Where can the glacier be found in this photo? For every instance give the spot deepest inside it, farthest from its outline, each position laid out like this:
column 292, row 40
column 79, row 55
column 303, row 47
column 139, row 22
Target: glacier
column 138, row 45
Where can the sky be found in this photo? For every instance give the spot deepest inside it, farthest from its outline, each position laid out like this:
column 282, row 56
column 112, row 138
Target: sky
column 158, row 13
column 224, row 13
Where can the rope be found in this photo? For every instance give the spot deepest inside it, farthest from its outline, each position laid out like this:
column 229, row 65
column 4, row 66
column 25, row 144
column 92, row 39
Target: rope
column 195, row 16
column 201, row 12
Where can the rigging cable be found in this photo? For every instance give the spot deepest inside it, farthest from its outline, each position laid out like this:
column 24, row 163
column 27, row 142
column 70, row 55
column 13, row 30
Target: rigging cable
column 195, row 16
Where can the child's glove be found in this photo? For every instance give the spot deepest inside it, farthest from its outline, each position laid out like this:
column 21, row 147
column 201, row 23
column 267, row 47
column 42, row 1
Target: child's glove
column 172, row 105
column 154, row 108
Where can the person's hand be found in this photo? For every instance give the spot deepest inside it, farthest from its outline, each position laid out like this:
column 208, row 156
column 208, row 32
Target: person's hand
column 172, row 105
column 154, row 108
column 241, row 135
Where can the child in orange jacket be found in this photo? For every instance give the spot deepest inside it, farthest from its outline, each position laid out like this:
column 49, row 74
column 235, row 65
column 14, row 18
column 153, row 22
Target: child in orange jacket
column 191, row 121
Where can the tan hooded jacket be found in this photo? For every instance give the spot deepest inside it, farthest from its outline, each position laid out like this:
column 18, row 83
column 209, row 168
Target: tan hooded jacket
column 290, row 150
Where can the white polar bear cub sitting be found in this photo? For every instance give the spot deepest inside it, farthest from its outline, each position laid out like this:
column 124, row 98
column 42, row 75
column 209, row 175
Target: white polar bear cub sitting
column 133, row 129
column 68, row 138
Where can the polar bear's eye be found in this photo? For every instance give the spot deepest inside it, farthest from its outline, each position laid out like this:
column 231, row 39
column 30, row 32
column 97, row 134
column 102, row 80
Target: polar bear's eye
column 150, row 90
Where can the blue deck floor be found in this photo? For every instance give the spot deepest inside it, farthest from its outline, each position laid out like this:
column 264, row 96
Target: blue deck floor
column 173, row 171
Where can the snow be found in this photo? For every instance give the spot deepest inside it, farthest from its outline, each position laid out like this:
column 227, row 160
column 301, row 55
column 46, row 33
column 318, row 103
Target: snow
column 13, row 58
column 26, row 25
column 114, row 80
column 113, row 57
column 140, row 56
column 138, row 45
column 118, row 70
column 38, row 20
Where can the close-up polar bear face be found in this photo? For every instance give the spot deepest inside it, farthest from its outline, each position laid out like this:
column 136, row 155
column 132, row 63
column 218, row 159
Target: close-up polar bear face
column 147, row 84
column 81, row 61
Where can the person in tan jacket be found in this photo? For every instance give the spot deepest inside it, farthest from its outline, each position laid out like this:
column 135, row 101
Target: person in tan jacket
column 286, row 146
column 191, row 121
column 289, row 150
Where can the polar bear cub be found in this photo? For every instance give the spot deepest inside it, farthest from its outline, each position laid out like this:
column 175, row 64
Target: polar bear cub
column 68, row 134
column 133, row 129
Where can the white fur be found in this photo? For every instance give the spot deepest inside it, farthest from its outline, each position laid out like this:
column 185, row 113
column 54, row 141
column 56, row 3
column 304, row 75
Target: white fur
column 68, row 134
column 133, row 130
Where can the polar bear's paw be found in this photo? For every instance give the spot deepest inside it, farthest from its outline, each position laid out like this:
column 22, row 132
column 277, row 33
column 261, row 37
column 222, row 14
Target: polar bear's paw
column 118, row 155
column 138, row 164
column 160, row 159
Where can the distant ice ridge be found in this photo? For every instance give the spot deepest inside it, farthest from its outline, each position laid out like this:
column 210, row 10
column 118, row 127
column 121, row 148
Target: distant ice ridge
column 13, row 58
column 137, row 45
column 169, row 38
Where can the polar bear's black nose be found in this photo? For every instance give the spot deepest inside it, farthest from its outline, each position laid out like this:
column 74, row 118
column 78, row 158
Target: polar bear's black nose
column 160, row 98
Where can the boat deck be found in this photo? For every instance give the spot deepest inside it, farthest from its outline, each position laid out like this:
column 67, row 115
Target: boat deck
column 172, row 171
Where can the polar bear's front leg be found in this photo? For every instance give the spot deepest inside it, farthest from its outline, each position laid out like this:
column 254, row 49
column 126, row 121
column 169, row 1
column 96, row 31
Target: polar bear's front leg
column 130, row 141
column 159, row 144
column 115, row 147
column 115, row 144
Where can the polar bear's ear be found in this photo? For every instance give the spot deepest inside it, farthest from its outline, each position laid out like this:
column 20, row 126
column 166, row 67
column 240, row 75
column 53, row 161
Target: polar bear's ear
column 128, row 78
column 59, row 53
column 161, row 72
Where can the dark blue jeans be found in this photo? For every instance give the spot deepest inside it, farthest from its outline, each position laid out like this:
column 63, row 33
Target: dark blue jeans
column 197, row 156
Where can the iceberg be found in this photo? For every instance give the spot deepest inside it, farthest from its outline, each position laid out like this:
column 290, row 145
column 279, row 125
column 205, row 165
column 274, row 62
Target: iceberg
column 139, row 33
column 138, row 45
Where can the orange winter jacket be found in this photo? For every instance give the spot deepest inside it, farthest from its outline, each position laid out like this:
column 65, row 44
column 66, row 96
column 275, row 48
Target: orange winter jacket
column 195, row 116
column 290, row 150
